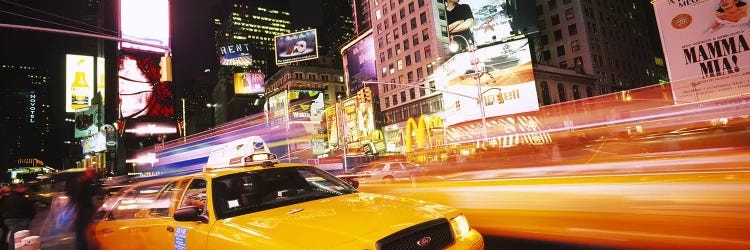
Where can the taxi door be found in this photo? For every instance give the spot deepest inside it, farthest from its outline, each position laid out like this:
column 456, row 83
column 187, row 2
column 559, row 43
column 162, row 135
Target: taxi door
column 192, row 234
column 155, row 230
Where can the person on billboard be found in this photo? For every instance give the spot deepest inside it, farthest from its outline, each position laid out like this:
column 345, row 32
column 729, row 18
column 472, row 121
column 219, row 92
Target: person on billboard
column 733, row 13
column 460, row 21
column 136, row 90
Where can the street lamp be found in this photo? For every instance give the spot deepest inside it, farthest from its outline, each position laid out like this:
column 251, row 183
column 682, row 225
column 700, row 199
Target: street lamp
column 472, row 48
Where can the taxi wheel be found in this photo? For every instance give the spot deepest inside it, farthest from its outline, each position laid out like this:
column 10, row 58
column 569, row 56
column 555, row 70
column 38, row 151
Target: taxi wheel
column 388, row 180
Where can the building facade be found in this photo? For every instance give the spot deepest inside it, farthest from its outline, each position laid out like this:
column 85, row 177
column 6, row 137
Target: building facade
column 610, row 40
column 26, row 115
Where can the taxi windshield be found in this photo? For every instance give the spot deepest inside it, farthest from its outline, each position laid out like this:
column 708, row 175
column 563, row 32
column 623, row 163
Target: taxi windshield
column 259, row 190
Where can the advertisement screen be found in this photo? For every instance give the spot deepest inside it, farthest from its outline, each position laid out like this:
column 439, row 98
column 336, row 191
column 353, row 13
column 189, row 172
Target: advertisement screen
column 147, row 22
column 79, row 82
column 484, row 21
column 706, row 47
column 249, row 83
column 359, row 60
column 507, row 84
column 87, row 122
column 141, row 91
column 95, row 143
column 100, row 84
column 236, row 55
column 150, row 128
column 295, row 47
column 306, row 103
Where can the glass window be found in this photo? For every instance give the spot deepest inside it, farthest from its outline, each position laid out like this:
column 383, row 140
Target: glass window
column 398, row 48
column 406, row 44
column 413, row 22
column 402, row 13
column 555, row 19
column 560, row 50
column 412, row 93
column 395, row 99
column 422, row 18
column 417, row 56
column 400, row 64
column 427, row 52
column 259, row 190
column 575, row 46
column 382, row 56
column 195, row 195
column 564, row 64
column 552, row 4
column 410, row 76
column 561, row 92
column 572, row 29
column 576, row 93
column 420, row 73
column 420, row 3
column 141, row 202
column 387, row 102
column 558, row 35
column 425, row 35
column 546, row 99
column 569, row 14
column 404, row 29
column 415, row 40
column 403, row 96
column 411, row 7
column 408, row 60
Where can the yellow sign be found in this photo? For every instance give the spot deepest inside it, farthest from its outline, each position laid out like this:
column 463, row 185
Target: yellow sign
column 420, row 129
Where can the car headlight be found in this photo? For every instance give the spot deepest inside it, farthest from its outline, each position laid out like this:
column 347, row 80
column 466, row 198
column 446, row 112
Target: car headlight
column 460, row 226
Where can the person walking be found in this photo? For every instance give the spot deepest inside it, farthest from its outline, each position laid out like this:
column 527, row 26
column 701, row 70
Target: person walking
column 18, row 211
column 4, row 191
column 82, row 194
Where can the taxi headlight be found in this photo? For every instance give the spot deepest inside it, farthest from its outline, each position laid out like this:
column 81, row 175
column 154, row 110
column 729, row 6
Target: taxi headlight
column 460, row 226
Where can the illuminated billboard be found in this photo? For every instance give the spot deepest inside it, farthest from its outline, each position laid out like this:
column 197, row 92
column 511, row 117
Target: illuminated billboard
column 295, row 47
column 95, row 143
column 79, row 82
column 507, row 86
column 249, row 83
column 306, row 103
column 145, row 22
column 141, row 91
column 150, row 128
column 487, row 21
column 706, row 47
column 236, row 55
column 359, row 62
column 100, row 76
column 87, row 122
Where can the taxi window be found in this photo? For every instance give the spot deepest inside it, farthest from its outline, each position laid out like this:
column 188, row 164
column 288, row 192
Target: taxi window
column 259, row 190
column 137, row 202
column 195, row 195
column 169, row 195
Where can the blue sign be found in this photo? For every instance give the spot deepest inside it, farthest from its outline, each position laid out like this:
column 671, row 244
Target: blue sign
column 180, row 238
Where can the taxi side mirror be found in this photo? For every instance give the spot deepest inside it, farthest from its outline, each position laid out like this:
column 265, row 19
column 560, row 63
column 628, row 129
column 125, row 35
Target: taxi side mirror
column 189, row 213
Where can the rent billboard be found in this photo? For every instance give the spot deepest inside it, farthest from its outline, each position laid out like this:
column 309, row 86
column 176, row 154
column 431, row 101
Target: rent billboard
column 359, row 62
column 295, row 47
column 249, row 83
column 506, row 82
column 236, row 55
column 706, row 47
column 144, row 25
column 142, row 92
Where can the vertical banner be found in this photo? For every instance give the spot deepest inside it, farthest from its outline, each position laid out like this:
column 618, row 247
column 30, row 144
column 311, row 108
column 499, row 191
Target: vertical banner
column 706, row 47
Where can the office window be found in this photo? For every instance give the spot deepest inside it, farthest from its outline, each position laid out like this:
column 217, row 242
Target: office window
column 544, row 39
column 324, row 78
column 403, row 96
column 578, row 61
column 569, row 14
column 564, row 64
column 415, row 40
column 417, row 56
column 552, row 5
column 377, row 15
column 395, row 99
column 394, row 19
column 402, row 13
column 406, row 44
column 298, row 75
column 427, row 52
column 575, row 46
column 382, row 56
column 425, row 35
column 422, row 18
column 555, row 19
column 410, row 76
column 408, row 60
column 420, row 73
column 390, row 53
column 576, row 93
column 380, row 43
column 561, row 93
column 420, row 3
column 387, row 102
column 422, row 90
column 401, row 79
column 400, row 64
column 546, row 55
column 560, row 50
column 558, row 35
column 429, row 69
column 391, row 69
column 382, row 73
column 395, row 33
column 572, row 30
column 412, row 94
column 413, row 22
column 398, row 48
column 380, row 28
column 411, row 7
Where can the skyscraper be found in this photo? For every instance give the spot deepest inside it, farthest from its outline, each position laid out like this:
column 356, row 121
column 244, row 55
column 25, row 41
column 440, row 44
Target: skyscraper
column 611, row 40
column 25, row 114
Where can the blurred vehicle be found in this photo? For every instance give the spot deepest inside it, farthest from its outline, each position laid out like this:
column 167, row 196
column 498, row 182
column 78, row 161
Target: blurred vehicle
column 388, row 172
column 263, row 204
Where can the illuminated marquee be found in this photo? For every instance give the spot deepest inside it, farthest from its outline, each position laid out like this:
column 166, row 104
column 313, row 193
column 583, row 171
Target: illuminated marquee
column 420, row 129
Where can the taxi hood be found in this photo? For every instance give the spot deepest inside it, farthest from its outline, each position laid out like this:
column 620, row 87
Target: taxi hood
column 346, row 221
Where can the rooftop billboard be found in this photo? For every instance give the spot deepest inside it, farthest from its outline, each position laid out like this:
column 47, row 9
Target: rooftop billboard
column 147, row 23
column 295, row 47
column 236, row 55
column 706, row 47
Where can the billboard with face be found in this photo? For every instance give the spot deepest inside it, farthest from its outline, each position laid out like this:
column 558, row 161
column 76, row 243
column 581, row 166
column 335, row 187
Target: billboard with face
column 147, row 22
column 507, row 86
column 707, row 47
column 249, row 83
column 359, row 60
column 141, row 91
column 306, row 103
column 295, row 47
column 487, row 21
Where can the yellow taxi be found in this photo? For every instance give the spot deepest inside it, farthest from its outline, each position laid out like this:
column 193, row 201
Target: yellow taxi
column 264, row 204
